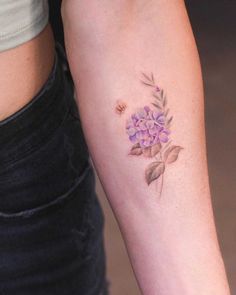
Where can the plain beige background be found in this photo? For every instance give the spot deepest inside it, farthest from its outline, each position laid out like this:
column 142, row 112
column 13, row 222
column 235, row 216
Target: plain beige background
column 214, row 25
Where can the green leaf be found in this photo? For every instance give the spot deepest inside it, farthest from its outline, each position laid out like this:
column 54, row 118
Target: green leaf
column 154, row 171
column 171, row 154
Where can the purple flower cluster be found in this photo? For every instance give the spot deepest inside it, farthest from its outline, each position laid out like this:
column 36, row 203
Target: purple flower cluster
column 147, row 127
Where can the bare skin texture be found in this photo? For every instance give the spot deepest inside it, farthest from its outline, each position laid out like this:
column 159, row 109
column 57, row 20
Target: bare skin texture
column 24, row 69
column 115, row 49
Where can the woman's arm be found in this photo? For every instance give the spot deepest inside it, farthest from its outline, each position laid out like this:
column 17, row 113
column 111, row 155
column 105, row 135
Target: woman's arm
column 131, row 61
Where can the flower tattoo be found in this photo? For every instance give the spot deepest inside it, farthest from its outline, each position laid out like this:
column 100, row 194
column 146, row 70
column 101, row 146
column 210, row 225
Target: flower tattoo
column 149, row 132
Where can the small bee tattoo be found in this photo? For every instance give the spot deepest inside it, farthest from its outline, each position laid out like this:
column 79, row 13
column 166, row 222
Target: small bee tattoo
column 120, row 107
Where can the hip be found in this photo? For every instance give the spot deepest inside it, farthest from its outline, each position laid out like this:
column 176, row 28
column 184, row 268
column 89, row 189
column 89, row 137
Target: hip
column 51, row 223
column 27, row 67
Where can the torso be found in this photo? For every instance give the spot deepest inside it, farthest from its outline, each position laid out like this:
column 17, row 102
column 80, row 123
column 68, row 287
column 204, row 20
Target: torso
column 24, row 70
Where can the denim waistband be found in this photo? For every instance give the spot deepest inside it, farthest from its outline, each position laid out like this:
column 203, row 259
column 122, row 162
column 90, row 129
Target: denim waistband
column 35, row 122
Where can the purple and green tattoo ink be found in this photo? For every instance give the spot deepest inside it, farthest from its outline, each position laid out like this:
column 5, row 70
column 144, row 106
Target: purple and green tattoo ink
column 148, row 130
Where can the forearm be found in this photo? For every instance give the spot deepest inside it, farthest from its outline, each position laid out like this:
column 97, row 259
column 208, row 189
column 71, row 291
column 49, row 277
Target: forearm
column 167, row 224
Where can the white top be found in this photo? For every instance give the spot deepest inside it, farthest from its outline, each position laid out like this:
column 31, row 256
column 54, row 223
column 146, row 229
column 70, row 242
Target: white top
column 21, row 21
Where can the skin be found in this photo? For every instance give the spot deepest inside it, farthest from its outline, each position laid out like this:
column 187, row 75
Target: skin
column 27, row 67
column 171, row 241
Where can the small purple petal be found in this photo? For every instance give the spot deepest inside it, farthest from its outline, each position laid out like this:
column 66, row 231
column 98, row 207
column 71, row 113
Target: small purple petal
column 156, row 140
column 161, row 119
column 129, row 123
column 131, row 131
column 163, row 137
column 142, row 143
column 150, row 124
column 134, row 118
column 139, row 135
column 141, row 114
column 147, row 109
column 154, row 131
column 146, row 143
column 133, row 139
column 156, row 114
column 142, row 127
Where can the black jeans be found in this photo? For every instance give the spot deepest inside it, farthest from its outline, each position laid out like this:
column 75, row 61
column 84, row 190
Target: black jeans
column 51, row 222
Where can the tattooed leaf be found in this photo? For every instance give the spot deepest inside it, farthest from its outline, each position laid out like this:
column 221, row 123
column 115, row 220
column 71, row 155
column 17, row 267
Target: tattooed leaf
column 153, row 78
column 169, row 121
column 162, row 93
column 147, row 152
column 167, row 145
column 157, row 97
column 147, row 77
column 164, row 101
column 172, row 153
column 147, row 84
column 157, row 105
column 166, row 112
column 151, row 151
column 155, row 149
column 154, row 171
column 136, row 150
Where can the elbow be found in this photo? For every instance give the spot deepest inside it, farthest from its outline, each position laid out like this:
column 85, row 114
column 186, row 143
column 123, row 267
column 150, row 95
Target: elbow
column 98, row 23
column 101, row 13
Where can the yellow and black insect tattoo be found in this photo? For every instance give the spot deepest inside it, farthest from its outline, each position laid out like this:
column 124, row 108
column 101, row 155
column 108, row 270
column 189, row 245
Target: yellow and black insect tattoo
column 120, row 107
